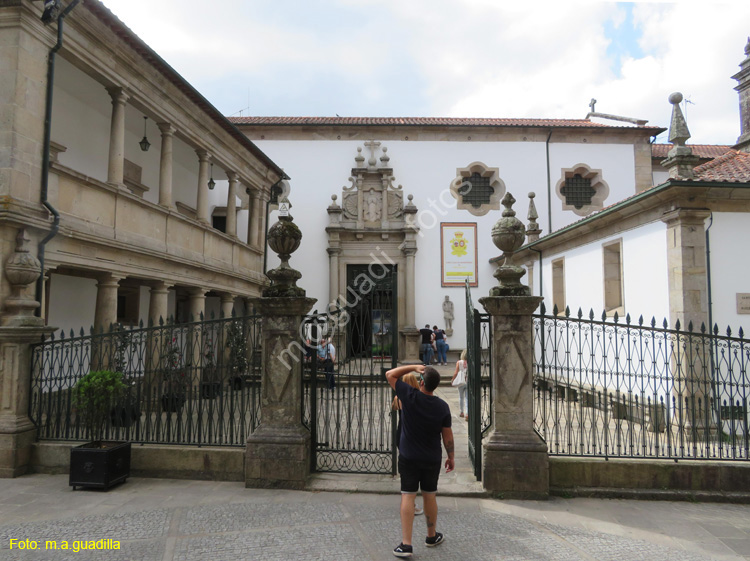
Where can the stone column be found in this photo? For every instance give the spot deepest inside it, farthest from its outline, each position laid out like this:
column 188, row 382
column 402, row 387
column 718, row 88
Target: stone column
column 201, row 204
column 688, row 303
column 257, row 217
column 106, row 302
column 227, row 304
column 158, row 307
column 197, row 303
column 516, row 463
column 333, row 274
column 19, row 328
column 232, row 204
column 250, row 216
column 264, row 198
column 278, row 452
column 165, row 168
column 117, row 136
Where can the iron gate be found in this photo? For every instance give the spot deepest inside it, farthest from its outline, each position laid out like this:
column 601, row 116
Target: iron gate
column 352, row 425
column 479, row 382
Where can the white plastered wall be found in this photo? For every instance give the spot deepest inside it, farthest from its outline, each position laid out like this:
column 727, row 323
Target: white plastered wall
column 730, row 270
column 644, row 274
column 321, row 168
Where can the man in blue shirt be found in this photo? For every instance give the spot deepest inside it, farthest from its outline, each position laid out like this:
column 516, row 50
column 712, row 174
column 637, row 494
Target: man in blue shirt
column 425, row 421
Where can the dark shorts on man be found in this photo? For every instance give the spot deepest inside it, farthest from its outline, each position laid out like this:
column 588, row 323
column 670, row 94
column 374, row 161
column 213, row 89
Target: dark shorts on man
column 418, row 475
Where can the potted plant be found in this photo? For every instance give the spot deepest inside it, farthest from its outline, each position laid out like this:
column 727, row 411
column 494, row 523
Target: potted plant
column 210, row 382
column 98, row 463
column 237, row 362
column 173, row 378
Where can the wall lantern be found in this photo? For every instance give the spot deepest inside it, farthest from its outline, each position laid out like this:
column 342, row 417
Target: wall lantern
column 144, row 143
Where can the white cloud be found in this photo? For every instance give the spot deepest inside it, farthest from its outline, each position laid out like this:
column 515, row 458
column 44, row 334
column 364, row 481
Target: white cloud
column 453, row 57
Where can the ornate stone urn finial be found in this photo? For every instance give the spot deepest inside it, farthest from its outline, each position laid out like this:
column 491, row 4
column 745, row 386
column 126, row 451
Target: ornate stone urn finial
column 21, row 269
column 508, row 234
column 284, row 238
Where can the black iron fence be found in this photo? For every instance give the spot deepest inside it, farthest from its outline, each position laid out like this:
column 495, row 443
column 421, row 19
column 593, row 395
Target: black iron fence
column 347, row 401
column 192, row 383
column 479, row 382
column 610, row 388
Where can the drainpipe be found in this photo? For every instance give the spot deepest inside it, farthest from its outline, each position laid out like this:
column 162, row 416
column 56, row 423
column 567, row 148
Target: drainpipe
column 45, row 155
column 717, row 399
column 549, row 188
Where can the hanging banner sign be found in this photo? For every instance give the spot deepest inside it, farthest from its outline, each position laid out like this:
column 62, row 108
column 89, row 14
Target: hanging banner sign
column 458, row 261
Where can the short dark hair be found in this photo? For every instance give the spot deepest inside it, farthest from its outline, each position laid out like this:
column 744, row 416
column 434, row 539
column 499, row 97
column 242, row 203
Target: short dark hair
column 434, row 326
column 427, row 325
column 431, row 378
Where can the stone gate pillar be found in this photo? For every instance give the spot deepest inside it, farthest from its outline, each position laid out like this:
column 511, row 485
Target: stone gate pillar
column 278, row 453
column 516, row 463
column 19, row 328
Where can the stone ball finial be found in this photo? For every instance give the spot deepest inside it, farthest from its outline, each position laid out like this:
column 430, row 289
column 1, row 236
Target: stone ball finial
column 675, row 98
column 334, row 197
column 532, row 194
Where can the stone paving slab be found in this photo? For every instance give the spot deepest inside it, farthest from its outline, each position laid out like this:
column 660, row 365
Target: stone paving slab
column 169, row 520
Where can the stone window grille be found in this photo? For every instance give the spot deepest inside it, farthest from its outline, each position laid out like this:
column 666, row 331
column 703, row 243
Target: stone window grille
column 582, row 189
column 477, row 188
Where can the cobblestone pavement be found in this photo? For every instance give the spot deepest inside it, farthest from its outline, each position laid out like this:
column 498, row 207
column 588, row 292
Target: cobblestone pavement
column 162, row 519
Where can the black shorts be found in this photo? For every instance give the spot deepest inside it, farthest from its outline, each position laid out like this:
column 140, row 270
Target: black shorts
column 418, row 475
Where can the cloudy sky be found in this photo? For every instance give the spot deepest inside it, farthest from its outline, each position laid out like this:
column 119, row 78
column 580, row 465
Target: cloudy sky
column 455, row 58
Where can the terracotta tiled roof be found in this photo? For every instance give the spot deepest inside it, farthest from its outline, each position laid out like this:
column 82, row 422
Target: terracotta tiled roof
column 700, row 150
column 421, row 121
column 732, row 167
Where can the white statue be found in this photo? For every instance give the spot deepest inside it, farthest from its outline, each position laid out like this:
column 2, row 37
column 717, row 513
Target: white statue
column 372, row 207
column 448, row 313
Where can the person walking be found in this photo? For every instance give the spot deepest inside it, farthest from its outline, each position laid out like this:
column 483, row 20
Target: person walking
column 425, row 421
column 413, row 381
column 426, row 348
column 459, row 380
column 440, row 344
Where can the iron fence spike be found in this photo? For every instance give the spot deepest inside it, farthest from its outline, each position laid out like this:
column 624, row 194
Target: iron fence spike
column 690, row 326
column 640, row 320
column 555, row 311
column 616, row 317
column 580, row 313
column 591, row 314
column 665, row 324
column 542, row 308
column 703, row 327
column 567, row 311
column 676, row 325
column 729, row 331
column 604, row 316
column 741, row 333
column 627, row 319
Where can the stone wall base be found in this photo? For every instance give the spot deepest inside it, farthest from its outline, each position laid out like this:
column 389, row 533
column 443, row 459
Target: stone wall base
column 278, row 459
column 514, row 469
column 173, row 462
column 637, row 476
column 15, row 452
